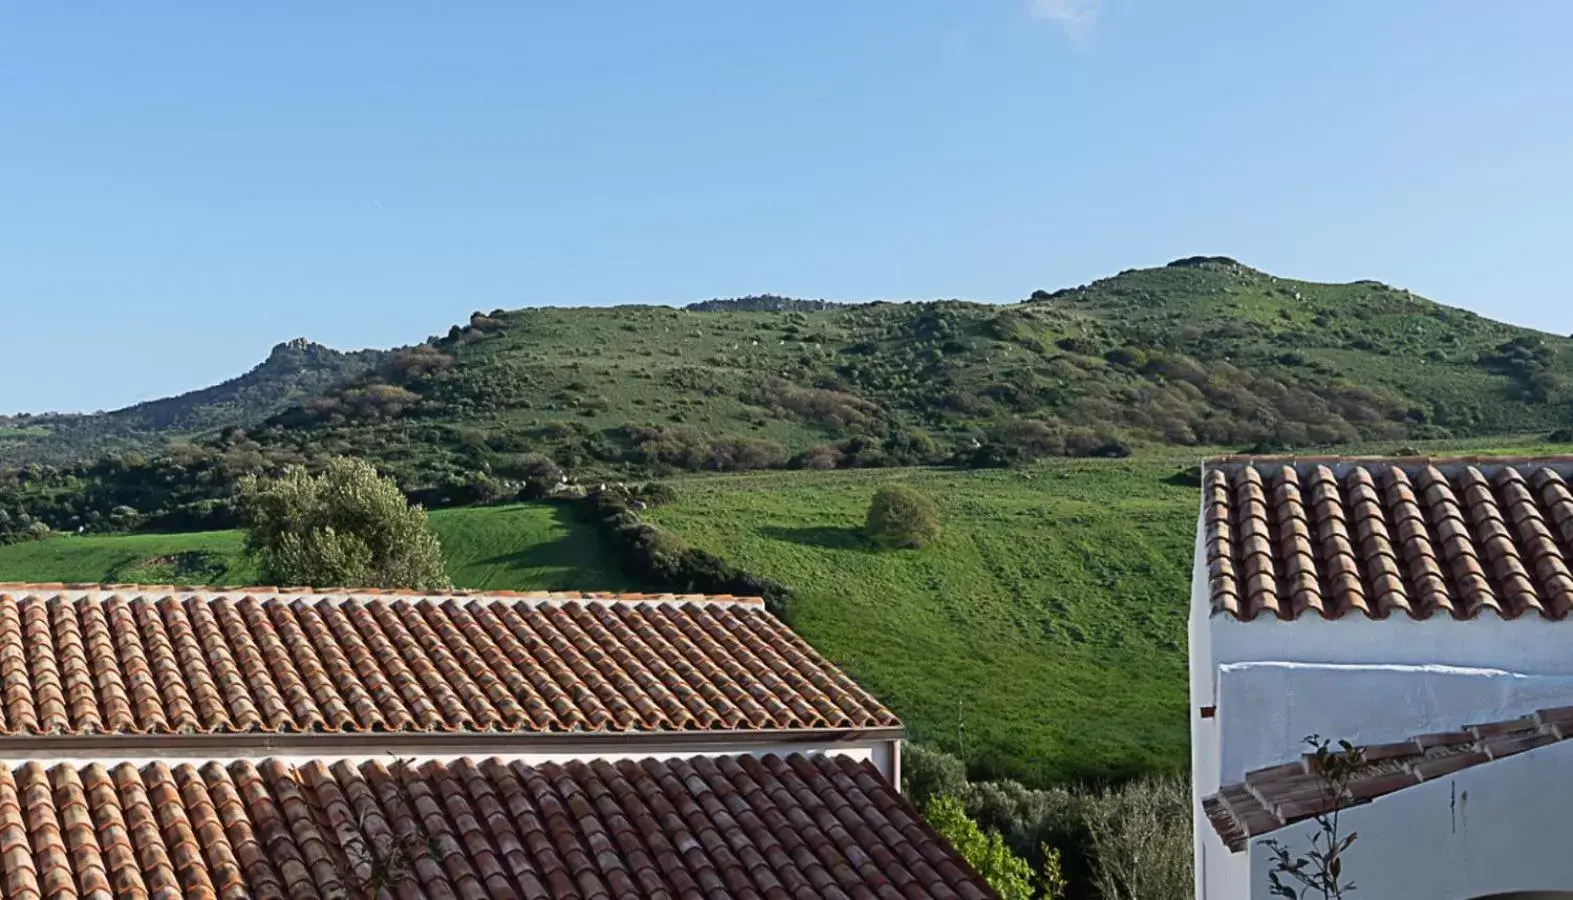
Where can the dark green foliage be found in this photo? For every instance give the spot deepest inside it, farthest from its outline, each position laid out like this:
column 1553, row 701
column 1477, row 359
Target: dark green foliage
column 927, row 773
column 1560, row 436
column 659, row 557
column 1127, row 840
column 900, row 517
column 656, row 493
column 541, row 475
column 1529, row 361
column 187, row 487
column 762, row 303
column 347, row 526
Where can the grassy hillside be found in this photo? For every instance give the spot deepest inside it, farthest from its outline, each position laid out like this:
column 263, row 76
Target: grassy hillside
column 1048, row 619
column 520, row 547
column 1200, row 352
column 211, row 557
column 1048, row 622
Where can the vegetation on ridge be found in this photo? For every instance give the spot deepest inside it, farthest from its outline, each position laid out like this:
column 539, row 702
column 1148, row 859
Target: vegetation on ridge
column 1204, row 351
column 294, row 370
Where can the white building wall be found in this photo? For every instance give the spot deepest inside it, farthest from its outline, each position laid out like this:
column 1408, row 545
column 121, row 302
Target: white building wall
column 1204, row 734
column 1228, row 874
column 1267, row 708
column 1529, row 644
column 1496, row 828
column 1274, row 682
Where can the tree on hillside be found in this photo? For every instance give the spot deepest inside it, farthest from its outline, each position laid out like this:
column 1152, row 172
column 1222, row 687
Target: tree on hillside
column 899, row 516
column 347, row 526
column 1008, row 874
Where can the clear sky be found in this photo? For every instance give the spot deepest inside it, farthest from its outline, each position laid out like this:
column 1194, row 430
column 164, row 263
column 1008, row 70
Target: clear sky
column 183, row 185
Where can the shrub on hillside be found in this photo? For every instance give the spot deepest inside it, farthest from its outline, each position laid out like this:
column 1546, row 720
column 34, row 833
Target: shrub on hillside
column 1141, row 840
column 927, row 773
column 900, row 517
column 348, row 526
column 1560, row 436
column 1008, row 874
column 1131, row 841
column 822, row 456
column 539, row 472
column 655, row 493
column 687, row 448
column 651, row 554
column 832, row 409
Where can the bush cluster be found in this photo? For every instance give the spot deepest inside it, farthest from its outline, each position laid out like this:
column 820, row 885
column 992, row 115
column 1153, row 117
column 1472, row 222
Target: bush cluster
column 901, row 517
column 651, row 554
column 1128, row 841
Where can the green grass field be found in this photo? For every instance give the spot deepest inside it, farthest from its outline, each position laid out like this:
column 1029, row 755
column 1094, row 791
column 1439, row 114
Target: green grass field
column 520, row 547
column 1043, row 635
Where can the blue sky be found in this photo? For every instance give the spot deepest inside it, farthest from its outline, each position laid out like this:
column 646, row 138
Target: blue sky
column 184, row 185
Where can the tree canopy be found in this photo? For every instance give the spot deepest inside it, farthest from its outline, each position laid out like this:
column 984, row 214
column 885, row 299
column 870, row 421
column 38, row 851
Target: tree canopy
column 346, row 526
column 899, row 516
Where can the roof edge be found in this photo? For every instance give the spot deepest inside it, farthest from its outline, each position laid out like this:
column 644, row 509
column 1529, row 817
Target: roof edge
column 379, row 744
column 1331, row 459
column 86, row 588
column 1469, row 747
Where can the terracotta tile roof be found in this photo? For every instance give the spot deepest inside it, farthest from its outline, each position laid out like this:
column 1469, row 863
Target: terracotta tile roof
column 1378, row 538
column 1274, row 797
column 770, row 827
column 138, row 662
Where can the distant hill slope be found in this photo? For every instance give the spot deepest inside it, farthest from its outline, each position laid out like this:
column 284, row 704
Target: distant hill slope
column 1204, row 351
column 763, row 303
column 293, row 371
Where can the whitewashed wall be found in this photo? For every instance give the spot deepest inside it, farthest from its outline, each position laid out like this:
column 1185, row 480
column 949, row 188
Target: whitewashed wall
column 1497, row 828
column 1273, row 682
column 1267, row 708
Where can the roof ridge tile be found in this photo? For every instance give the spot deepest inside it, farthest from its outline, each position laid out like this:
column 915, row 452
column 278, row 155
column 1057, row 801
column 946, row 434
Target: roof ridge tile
column 1284, row 536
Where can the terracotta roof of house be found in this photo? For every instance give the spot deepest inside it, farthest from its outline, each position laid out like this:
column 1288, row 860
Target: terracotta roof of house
column 170, row 661
column 1418, row 538
column 768, row 827
column 1274, row 797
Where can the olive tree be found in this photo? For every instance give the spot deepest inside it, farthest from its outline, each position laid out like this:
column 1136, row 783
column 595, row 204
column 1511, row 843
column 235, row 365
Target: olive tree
column 346, row 526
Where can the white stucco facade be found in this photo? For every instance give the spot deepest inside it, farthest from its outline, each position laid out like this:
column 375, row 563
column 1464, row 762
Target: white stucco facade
column 1259, row 688
column 1489, row 830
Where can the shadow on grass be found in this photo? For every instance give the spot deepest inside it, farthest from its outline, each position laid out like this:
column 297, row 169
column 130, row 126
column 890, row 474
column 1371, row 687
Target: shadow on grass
column 577, row 560
column 819, row 536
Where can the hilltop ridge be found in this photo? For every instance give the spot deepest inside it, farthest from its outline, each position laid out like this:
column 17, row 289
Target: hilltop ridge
column 293, row 370
column 1203, row 351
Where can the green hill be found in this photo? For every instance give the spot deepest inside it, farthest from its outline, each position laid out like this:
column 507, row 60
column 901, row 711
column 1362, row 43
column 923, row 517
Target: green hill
column 1204, row 351
column 1201, row 351
column 1042, row 636
column 294, row 370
